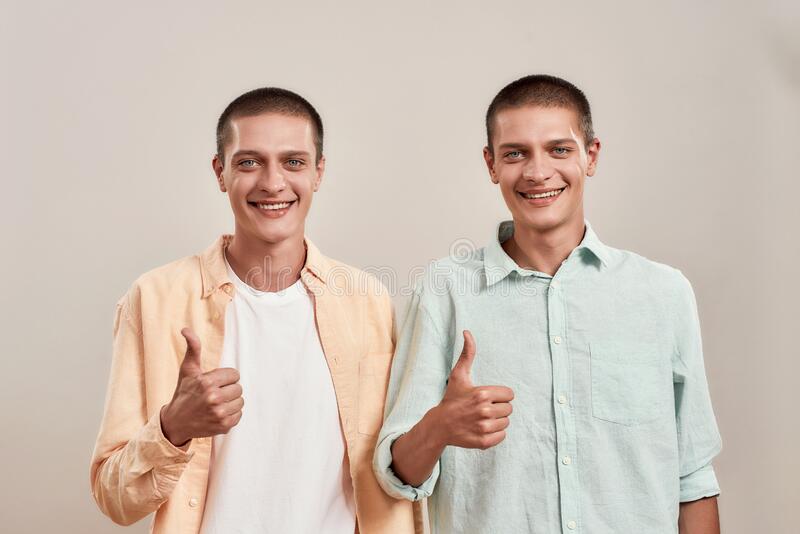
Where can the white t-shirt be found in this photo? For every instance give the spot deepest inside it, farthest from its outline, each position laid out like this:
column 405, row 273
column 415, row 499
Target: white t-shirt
column 283, row 468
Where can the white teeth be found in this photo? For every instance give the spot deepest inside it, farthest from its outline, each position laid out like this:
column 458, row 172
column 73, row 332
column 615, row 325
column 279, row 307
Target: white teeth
column 543, row 195
column 278, row 206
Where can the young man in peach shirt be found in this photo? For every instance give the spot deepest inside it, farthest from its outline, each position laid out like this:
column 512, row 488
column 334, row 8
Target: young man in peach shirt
column 261, row 315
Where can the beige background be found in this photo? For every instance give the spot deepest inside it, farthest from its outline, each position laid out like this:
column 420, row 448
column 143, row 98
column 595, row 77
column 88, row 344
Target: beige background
column 108, row 112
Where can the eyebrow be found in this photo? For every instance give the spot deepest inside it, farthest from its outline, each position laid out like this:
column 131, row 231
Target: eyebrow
column 303, row 153
column 516, row 146
column 506, row 146
column 563, row 141
column 285, row 154
column 241, row 153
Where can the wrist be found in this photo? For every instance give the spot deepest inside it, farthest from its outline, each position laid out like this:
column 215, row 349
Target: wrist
column 434, row 429
column 167, row 430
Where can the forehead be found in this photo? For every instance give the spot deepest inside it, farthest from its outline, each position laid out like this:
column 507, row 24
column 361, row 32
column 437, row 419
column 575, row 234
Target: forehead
column 535, row 123
column 271, row 131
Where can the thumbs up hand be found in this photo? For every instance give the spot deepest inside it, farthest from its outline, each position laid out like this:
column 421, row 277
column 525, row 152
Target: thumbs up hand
column 469, row 416
column 204, row 404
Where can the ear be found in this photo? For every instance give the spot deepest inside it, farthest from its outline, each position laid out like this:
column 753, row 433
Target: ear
column 488, row 157
column 217, row 165
column 592, row 153
column 320, row 172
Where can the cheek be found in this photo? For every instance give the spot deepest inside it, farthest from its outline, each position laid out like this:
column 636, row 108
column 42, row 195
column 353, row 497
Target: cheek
column 302, row 186
column 573, row 173
column 239, row 186
column 507, row 187
column 507, row 176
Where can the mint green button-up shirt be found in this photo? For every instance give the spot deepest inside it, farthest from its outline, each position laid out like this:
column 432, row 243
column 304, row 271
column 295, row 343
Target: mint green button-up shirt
column 612, row 425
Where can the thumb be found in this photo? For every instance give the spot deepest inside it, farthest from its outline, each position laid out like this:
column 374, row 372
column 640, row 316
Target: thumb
column 463, row 366
column 191, row 362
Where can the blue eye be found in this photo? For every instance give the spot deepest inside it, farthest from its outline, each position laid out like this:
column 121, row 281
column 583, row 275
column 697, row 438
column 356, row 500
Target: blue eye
column 294, row 162
column 248, row 163
column 561, row 151
column 514, row 154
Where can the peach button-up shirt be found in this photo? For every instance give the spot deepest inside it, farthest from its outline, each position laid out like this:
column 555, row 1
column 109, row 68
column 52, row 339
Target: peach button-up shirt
column 135, row 470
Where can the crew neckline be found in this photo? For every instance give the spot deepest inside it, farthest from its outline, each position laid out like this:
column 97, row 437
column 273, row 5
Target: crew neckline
column 287, row 294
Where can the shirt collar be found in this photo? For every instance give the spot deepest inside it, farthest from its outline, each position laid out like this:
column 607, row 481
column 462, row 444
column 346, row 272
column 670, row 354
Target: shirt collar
column 214, row 274
column 593, row 244
column 498, row 264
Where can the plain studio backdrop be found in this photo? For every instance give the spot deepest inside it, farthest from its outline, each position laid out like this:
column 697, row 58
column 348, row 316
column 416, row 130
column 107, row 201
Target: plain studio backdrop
column 108, row 117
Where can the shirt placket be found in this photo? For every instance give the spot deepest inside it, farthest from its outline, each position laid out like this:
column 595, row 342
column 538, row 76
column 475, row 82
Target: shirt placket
column 566, row 442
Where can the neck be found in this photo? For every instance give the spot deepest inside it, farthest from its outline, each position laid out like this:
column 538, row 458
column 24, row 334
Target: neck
column 266, row 266
column 544, row 250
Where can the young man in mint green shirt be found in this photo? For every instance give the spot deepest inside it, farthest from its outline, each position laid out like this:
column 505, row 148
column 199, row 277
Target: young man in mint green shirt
column 598, row 350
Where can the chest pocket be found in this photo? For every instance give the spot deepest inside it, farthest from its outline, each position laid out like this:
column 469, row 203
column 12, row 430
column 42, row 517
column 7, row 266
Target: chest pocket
column 373, row 380
column 630, row 385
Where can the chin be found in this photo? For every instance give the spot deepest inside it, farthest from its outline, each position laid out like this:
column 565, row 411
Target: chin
column 541, row 222
column 273, row 233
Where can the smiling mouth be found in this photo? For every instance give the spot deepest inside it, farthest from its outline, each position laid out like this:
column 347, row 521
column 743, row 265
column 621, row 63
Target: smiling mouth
column 549, row 194
column 272, row 206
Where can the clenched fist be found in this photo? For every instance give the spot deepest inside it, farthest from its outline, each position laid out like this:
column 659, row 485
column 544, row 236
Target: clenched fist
column 469, row 416
column 204, row 404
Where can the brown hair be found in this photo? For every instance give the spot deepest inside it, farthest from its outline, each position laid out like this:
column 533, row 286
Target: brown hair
column 266, row 100
column 541, row 90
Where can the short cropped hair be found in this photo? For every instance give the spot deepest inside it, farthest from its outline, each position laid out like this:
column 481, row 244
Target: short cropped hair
column 541, row 90
column 267, row 100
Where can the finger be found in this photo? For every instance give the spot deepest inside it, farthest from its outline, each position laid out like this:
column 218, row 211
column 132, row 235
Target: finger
column 230, row 392
column 232, row 407
column 191, row 362
column 491, row 426
column 490, row 440
column 500, row 409
column 222, row 377
column 232, row 420
column 498, row 393
column 464, row 364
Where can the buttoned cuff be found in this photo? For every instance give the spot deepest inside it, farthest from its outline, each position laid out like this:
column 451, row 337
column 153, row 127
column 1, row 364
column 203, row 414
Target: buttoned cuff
column 390, row 483
column 158, row 450
column 702, row 483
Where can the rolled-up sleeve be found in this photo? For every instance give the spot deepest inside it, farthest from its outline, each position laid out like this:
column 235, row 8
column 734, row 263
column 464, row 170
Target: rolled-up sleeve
column 134, row 468
column 698, row 436
column 419, row 375
column 699, row 484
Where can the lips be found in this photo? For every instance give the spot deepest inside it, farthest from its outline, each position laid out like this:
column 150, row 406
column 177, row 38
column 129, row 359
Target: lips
column 273, row 208
column 549, row 193
column 272, row 204
column 541, row 198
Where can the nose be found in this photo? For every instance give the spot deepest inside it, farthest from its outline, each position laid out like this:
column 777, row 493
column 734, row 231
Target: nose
column 272, row 180
column 537, row 169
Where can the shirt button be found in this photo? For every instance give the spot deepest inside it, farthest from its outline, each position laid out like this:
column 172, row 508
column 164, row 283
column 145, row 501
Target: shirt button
column 557, row 340
column 554, row 284
column 566, row 460
column 192, row 502
column 571, row 525
column 562, row 399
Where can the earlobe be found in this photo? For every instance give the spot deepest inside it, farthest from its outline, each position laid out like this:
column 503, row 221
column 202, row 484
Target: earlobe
column 594, row 153
column 489, row 159
column 216, row 164
column 320, row 173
